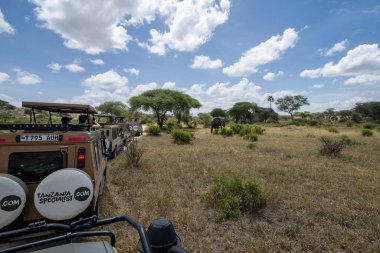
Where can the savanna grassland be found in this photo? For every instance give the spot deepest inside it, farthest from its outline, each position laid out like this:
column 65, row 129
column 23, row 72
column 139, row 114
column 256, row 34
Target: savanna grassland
column 316, row 203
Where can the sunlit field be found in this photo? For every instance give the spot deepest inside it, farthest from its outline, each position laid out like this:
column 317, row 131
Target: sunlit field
column 316, row 203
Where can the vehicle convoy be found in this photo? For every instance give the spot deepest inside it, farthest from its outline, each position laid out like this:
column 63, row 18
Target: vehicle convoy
column 115, row 135
column 51, row 179
column 50, row 172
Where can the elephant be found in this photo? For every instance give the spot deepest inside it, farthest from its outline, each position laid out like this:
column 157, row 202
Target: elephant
column 217, row 123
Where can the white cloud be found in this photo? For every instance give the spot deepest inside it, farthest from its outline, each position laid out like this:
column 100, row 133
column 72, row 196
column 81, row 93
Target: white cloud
column 270, row 76
column 97, row 62
column 361, row 65
column 55, row 67
column 190, row 24
column 204, row 62
column 338, row 47
column 74, row 67
column 97, row 26
column 39, row 93
column 108, row 86
column 225, row 95
column 4, row 26
column 266, row 52
column 142, row 88
column 168, row 85
column 106, row 81
column 91, row 26
column 318, row 86
column 5, row 97
column 132, row 71
column 4, row 77
column 26, row 78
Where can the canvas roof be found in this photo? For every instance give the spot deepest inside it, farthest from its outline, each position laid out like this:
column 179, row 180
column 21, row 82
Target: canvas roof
column 60, row 107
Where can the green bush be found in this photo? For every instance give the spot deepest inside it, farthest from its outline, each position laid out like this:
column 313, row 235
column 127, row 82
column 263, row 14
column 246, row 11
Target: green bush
column 348, row 141
column 313, row 122
column 172, row 124
column 296, row 122
column 237, row 128
column 234, row 193
column 331, row 147
column 367, row 132
column 216, row 131
column 251, row 137
column 154, row 130
column 226, row 131
column 369, row 126
column 181, row 136
column 332, row 130
column 258, row 129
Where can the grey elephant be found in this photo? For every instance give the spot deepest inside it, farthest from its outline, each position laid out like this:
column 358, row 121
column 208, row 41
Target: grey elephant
column 217, row 123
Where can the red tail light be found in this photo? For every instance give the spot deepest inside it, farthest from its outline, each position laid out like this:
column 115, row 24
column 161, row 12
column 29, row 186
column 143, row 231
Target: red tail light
column 78, row 139
column 81, row 161
column 3, row 140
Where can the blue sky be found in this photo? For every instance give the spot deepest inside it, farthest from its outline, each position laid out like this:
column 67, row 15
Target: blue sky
column 220, row 52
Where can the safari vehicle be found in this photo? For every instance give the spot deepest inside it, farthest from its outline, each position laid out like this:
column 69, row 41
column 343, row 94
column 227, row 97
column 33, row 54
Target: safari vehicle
column 115, row 136
column 135, row 128
column 35, row 183
column 159, row 238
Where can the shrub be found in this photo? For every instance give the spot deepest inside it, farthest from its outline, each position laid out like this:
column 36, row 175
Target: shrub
column 237, row 128
column 367, row 132
column 296, row 123
column 348, row 141
column 251, row 145
column 369, row 126
column 226, row 131
column 133, row 154
column 259, row 129
column 349, row 123
column 313, row 122
column 331, row 147
column 332, row 130
column 309, row 135
column 171, row 124
column 181, row 136
column 154, row 130
column 234, row 193
column 251, row 137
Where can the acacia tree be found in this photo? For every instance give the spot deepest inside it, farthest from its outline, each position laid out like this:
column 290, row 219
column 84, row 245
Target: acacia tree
column 182, row 106
column 162, row 101
column 243, row 111
column 218, row 112
column 290, row 104
column 116, row 108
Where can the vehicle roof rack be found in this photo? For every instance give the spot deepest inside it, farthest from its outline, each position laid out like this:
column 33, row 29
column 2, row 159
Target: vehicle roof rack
column 60, row 107
column 44, row 127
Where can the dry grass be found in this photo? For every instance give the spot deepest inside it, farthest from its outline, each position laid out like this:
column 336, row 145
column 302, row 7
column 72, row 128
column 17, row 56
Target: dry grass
column 318, row 204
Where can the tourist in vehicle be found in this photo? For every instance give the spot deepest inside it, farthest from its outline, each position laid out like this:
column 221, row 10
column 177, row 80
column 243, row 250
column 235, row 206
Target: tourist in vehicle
column 83, row 120
column 65, row 120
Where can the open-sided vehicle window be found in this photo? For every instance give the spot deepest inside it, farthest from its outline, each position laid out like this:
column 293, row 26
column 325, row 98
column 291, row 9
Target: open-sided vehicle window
column 35, row 166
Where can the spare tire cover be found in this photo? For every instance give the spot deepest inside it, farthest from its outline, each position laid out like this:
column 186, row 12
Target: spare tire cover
column 63, row 194
column 13, row 195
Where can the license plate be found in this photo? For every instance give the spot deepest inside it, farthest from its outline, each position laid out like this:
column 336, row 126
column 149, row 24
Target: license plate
column 39, row 137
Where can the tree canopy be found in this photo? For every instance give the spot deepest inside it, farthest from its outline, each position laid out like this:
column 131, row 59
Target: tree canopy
column 243, row 112
column 369, row 110
column 290, row 104
column 162, row 101
column 218, row 112
column 116, row 108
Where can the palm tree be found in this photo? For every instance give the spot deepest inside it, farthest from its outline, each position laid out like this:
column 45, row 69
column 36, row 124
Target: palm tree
column 270, row 99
